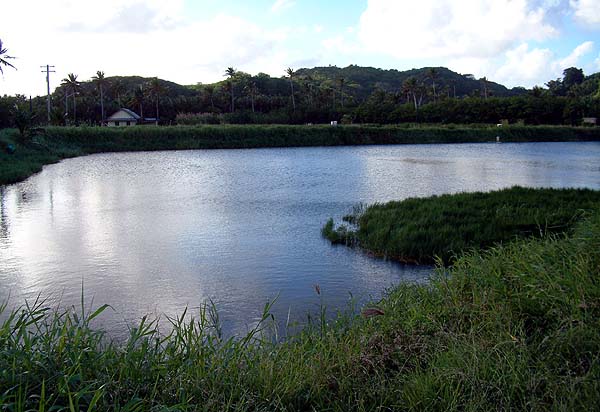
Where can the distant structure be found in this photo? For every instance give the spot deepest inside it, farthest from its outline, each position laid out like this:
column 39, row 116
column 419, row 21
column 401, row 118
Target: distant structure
column 590, row 121
column 126, row 117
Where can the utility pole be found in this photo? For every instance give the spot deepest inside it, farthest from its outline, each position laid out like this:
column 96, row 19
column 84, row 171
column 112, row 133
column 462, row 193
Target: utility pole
column 48, row 71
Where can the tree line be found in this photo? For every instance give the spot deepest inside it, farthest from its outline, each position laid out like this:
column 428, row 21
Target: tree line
column 348, row 95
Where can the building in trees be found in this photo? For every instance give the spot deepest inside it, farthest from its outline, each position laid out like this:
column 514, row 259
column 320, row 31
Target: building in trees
column 126, row 117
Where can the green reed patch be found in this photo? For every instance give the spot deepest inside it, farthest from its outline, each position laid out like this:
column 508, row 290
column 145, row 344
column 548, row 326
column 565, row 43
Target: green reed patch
column 419, row 230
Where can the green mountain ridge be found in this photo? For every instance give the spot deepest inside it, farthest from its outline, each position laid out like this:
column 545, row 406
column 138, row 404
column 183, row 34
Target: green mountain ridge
column 360, row 82
column 351, row 94
column 368, row 79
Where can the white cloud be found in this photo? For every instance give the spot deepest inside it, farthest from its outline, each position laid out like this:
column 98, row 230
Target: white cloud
column 186, row 53
column 573, row 58
column 451, row 29
column 282, row 5
column 477, row 66
column 92, row 15
column 597, row 63
column 586, row 12
column 489, row 38
column 339, row 44
column 525, row 67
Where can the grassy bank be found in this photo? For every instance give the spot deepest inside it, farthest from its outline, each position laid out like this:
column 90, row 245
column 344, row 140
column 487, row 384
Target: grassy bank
column 417, row 230
column 55, row 143
column 516, row 327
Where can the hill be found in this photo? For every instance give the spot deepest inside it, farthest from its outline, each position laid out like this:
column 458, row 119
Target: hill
column 322, row 94
column 363, row 81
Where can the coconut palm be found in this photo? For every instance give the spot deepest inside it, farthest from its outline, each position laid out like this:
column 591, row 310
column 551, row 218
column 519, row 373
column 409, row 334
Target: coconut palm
column 4, row 58
column 341, row 83
column 156, row 89
column 118, row 88
column 410, row 87
column 252, row 90
column 484, row 83
column 138, row 99
column 432, row 73
column 290, row 72
column 209, row 89
column 73, row 85
column 100, row 81
column 231, row 73
column 308, row 87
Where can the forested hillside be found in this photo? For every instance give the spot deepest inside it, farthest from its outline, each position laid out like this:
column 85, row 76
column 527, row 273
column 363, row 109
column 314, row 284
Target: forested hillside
column 351, row 94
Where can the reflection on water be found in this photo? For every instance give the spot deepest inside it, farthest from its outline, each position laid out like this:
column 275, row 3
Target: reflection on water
column 155, row 232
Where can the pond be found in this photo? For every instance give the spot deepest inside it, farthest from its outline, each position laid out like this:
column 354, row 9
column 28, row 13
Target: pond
column 156, row 232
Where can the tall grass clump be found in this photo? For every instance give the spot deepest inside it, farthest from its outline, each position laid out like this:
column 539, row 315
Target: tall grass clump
column 514, row 327
column 419, row 230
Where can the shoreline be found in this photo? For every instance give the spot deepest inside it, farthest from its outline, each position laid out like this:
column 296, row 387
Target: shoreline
column 485, row 332
column 53, row 144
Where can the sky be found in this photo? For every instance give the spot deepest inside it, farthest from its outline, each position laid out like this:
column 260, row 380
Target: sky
column 513, row 42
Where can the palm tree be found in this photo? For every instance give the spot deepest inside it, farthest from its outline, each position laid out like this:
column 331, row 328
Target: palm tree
column 118, row 89
column 290, row 73
column 484, row 83
column 432, row 73
column 341, row 82
column 309, row 87
column 410, row 87
column 100, row 81
column 4, row 58
column 72, row 84
column 231, row 72
column 156, row 89
column 138, row 99
column 252, row 91
column 210, row 91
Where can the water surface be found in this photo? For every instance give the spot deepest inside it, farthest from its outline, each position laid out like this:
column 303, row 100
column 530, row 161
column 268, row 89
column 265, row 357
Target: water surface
column 154, row 232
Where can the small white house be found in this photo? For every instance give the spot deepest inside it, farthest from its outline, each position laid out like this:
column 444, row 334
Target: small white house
column 124, row 117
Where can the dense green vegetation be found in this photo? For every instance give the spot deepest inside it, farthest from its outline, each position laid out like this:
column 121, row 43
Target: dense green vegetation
column 419, row 230
column 516, row 327
column 351, row 94
column 22, row 156
column 37, row 147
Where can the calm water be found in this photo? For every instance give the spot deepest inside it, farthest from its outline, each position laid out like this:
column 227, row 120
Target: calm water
column 152, row 233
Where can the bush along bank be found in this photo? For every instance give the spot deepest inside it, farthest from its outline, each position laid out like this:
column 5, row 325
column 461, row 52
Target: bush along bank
column 514, row 327
column 51, row 144
column 419, row 230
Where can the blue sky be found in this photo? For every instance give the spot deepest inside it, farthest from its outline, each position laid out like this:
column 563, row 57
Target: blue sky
column 514, row 42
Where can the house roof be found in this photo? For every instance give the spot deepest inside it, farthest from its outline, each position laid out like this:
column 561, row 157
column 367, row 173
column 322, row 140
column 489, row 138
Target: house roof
column 124, row 115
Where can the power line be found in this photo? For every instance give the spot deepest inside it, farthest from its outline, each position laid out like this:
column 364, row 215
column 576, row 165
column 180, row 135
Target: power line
column 48, row 71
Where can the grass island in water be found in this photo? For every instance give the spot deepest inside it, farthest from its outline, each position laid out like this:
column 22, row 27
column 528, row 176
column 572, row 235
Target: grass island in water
column 419, row 230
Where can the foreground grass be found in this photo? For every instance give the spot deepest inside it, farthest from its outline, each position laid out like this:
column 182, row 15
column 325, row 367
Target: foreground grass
column 515, row 327
column 418, row 230
column 55, row 143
